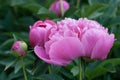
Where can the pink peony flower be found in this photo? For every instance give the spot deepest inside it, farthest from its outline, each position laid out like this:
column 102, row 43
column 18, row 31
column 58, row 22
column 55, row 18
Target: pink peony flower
column 71, row 39
column 19, row 48
column 55, row 7
column 39, row 32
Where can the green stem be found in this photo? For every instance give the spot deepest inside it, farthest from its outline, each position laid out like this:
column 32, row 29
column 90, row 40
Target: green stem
column 61, row 8
column 23, row 67
column 49, row 69
column 80, row 69
column 78, row 3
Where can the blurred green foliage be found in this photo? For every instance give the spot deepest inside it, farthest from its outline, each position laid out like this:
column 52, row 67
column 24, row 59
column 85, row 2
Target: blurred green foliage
column 17, row 15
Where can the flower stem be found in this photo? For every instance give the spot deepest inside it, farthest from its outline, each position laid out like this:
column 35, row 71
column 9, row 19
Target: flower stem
column 49, row 69
column 23, row 67
column 80, row 69
column 61, row 8
column 78, row 3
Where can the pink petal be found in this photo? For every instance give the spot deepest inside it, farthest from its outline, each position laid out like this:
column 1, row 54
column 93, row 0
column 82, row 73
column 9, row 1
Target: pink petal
column 89, row 39
column 49, row 22
column 37, row 24
column 40, row 52
column 47, row 46
column 66, row 49
column 103, row 47
column 37, row 36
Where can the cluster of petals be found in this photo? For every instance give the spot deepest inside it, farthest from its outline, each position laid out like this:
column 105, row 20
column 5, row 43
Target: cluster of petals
column 60, row 43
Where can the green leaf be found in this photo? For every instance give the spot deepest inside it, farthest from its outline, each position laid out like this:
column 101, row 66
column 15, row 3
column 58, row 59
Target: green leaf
column 45, row 13
column 26, row 21
column 6, row 43
column 17, row 2
column 1, row 24
column 38, row 69
column 111, row 10
column 114, row 21
column 49, row 77
column 55, row 69
column 91, row 2
column 69, row 11
column 33, row 7
column 91, row 11
column 4, row 59
column 13, row 76
column 95, row 15
column 100, row 68
column 9, row 19
column 3, row 76
column 9, row 65
column 17, row 67
column 66, row 73
column 75, row 70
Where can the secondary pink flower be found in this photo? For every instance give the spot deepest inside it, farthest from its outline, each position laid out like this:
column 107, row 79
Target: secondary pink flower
column 19, row 48
column 95, row 38
column 63, row 45
column 55, row 7
column 39, row 32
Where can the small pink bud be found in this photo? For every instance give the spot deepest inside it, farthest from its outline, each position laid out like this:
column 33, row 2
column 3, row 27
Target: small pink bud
column 55, row 7
column 19, row 48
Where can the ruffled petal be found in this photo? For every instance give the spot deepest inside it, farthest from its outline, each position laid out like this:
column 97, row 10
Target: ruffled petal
column 40, row 52
column 37, row 36
column 89, row 39
column 103, row 47
column 66, row 49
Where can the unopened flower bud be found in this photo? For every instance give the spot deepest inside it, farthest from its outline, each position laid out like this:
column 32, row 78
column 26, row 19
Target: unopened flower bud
column 19, row 48
column 56, row 8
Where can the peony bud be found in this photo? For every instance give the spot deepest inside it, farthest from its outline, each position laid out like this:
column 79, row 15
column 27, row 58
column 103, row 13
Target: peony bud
column 55, row 7
column 19, row 48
